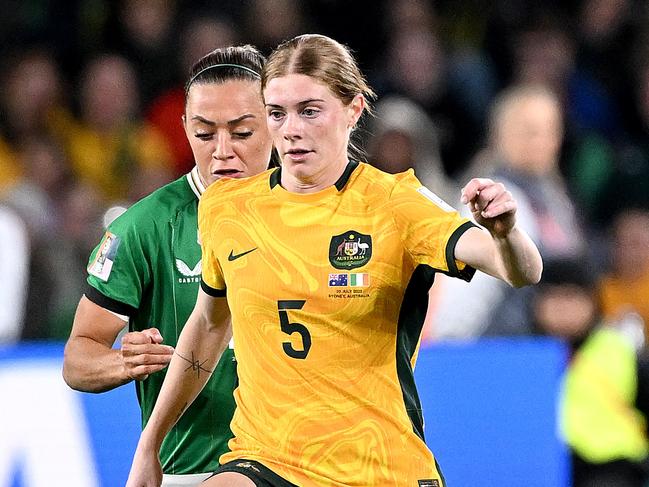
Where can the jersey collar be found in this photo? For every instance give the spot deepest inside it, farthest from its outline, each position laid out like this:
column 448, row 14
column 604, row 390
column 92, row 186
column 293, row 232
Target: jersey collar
column 276, row 176
column 195, row 183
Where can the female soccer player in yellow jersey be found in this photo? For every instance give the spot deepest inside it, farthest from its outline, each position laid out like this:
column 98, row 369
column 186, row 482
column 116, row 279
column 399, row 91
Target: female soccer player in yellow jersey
column 323, row 266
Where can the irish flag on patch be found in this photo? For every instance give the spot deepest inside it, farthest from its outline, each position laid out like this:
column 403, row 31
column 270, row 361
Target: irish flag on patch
column 359, row 280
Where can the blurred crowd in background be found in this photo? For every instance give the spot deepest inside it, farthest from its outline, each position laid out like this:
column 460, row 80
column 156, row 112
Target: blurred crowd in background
column 550, row 97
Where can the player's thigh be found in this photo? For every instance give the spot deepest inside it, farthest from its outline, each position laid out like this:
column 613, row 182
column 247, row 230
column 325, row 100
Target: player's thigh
column 228, row 479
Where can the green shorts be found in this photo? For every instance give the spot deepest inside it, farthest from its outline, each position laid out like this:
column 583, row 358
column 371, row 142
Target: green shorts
column 262, row 476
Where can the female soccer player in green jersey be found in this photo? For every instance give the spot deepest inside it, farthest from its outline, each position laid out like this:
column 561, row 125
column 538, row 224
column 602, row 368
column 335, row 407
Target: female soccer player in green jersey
column 324, row 267
column 146, row 270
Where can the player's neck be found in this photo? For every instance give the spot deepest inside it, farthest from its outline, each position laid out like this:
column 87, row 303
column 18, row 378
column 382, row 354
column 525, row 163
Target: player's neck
column 301, row 179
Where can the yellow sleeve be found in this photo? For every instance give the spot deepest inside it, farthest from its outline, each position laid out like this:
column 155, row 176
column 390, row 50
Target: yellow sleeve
column 212, row 281
column 428, row 226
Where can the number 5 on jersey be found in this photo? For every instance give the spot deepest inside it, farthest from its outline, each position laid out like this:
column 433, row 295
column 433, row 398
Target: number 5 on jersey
column 289, row 328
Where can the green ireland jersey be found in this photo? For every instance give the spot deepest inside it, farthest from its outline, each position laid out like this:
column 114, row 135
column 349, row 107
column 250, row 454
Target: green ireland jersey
column 148, row 268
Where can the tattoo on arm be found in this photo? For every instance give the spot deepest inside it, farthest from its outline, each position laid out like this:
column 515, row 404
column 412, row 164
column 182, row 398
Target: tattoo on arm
column 195, row 365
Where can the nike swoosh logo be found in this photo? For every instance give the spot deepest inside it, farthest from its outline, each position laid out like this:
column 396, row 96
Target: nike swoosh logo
column 232, row 256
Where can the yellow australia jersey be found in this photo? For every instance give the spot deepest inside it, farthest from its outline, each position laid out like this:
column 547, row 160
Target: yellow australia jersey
column 328, row 294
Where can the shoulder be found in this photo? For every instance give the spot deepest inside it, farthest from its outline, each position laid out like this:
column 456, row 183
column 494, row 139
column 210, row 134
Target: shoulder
column 158, row 207
column 404, row 192
column 382, row 185
column 234, row 189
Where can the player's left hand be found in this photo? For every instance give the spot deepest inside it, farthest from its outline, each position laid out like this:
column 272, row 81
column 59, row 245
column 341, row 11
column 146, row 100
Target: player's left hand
column 492, row 206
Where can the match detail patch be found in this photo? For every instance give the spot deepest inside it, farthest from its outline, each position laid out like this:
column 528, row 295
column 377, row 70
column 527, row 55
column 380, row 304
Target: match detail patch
column 349, row 280
column 103, row 263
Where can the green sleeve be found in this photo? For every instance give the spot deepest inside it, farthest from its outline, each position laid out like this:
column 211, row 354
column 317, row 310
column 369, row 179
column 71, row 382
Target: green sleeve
column 120, row 266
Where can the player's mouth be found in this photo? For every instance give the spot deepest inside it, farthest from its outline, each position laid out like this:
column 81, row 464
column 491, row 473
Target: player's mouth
column 228, row 173
column 297, row 154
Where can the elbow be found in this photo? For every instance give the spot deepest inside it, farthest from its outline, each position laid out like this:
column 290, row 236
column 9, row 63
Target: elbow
column 73, row 373
column 531, row 276
column 76, row 382
column 66, row 372
column 536, row 278
column 536, row 271
column 70, row 377
column 523, row 283
column 91, row 369
column 519, row 283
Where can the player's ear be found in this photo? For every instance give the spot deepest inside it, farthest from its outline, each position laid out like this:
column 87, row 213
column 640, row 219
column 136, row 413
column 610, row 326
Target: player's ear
column 355, row 109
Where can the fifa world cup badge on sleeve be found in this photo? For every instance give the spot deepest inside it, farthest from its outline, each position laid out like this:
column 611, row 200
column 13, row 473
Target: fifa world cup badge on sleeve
column 103, row 262
column 435, row 199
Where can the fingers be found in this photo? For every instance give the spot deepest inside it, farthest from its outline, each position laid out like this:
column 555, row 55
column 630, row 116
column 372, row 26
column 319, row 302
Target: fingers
column 147, row 354
column 138, row 337
column 473, row 189
column 143, row 354
column 488, row 198
column 499, row 207
column 140, row 363
column 153, row 334
column 142, row 372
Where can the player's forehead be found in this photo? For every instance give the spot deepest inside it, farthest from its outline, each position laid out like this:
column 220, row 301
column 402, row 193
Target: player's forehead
column 223, row 102
column 295, row 89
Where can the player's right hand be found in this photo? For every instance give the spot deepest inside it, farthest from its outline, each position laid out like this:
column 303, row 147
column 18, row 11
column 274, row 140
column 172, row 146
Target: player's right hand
column 143, row 353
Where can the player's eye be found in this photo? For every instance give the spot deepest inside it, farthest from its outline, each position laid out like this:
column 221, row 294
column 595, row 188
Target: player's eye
column 310, row 112
column 242, row 135
column 275, row 114
column 203, row 136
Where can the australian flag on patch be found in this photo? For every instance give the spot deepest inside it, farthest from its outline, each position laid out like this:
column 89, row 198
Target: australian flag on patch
column 337, row 280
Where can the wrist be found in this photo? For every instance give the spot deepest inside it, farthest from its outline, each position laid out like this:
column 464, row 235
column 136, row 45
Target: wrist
column 149, row 441
column 503, row 235
column 124, row 373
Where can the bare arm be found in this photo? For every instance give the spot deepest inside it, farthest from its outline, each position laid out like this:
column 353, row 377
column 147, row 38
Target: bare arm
column 90, row 364
column 200, row 345
column 504, row 250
